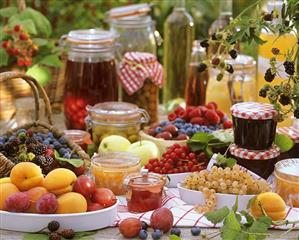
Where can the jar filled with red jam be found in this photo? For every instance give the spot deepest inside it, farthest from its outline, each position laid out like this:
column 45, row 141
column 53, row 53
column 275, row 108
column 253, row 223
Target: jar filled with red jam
column 91, row 75
column 144, row 191
column 80, row 137
column 261, row 162
column 254, row 125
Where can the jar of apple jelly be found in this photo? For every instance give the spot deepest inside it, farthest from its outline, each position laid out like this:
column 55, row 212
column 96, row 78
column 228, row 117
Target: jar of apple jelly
column 80, row 137
column 144, row 191
column 254, row 125
column 260, row 162
column 293, row 133
column 109, row 170
column 91, row 75
column 287, row 181
column 115, row 118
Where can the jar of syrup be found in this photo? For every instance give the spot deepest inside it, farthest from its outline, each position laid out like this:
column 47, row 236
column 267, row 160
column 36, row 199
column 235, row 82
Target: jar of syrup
column 144, row 191
column 80, row 137
column 260, row 162
column 254, row 125
column 91, row 75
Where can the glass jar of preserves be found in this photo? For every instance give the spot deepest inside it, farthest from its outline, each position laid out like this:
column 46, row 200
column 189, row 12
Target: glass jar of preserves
column 109, row 170
column 80, row 137
column 91, row 75
column 144, row 191
column 115, row 118
column 260, row 162
column 254, row 125
column 287, row 181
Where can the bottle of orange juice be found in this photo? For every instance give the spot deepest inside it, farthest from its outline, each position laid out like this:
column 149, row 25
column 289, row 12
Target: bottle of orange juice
column 283, row 43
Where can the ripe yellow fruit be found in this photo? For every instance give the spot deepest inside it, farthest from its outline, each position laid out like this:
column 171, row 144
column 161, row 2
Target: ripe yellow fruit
column 273, row 205
column 71, row 202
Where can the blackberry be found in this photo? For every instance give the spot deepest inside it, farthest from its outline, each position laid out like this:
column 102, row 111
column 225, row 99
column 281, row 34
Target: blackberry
column 204, row 43
column 201, row 67
column 31, row 140
column 284, row 100
column 275, row 51
column 39, row 149
column 214, row 36
column 54, row 236
column 53, row 226
column 268, row 17
column 10, row 148
column 296, row 113
column 269, row 76
column 215, row 61
column 67, row 233
column 263, row 93
column 229, row 68
column 289, row 67
column 233, row 53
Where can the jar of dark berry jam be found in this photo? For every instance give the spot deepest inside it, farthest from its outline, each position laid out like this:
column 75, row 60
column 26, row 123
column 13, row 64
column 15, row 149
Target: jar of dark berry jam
column 91, row 75
column 293, row 133
column 261, row 162
column 254, row 125
column 80, row 137
column 144, row 191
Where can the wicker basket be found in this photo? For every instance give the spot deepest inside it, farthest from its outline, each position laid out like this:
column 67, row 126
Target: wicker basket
column 37, row 126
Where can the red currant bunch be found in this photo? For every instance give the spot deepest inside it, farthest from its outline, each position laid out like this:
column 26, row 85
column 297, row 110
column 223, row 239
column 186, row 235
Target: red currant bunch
column 178, row 159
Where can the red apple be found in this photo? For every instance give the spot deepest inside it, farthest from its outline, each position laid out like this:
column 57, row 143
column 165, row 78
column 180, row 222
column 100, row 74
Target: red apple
column 94, row 207
column 104, row 197
column 79, row 170
column 85, row 186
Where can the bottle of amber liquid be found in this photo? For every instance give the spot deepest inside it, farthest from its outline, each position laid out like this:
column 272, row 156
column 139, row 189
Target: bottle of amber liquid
column 196, row 85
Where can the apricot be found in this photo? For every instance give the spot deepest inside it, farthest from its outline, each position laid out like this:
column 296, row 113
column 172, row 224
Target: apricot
column 60, row 181
column 71, row 202
column 6, row 189
column 26, row 175
column 5, row 180
column 34, row 194
column 130, row 227
column 273, row 205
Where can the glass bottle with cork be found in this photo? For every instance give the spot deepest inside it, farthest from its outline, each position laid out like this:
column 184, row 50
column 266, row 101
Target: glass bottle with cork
column 178, row 38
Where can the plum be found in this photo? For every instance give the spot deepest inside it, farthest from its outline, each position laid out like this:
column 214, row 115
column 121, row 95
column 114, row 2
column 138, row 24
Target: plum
column 17, row 202
column 162, row 219
column 130, row 227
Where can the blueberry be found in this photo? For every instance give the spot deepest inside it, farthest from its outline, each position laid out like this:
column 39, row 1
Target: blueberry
column 62, row 151
column 62, row 140
column 144, row 225
column 175, row 231
column 50, row 135
column 74, row 155
column 67, row 155
column 189, row 131
column 46, row 141
column 178, row 125
column 158, row 130
column 179, row 120
column 212, row 127
column 182, row 131
column 157, row 234
column 51, row 146
column 195, row 231
column 189, row 124
column 56, row 144
column 143, row 234
column 164, row 123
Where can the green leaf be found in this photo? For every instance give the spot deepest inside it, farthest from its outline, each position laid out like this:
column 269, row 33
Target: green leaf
column 261, row 227
column 202, row 137
column 195, row 146
column 224, row 136
column 75, row 162
column 40, row 41
column 42, row 24
column 174, row 237
column 217, row 216
column 283, row 142
column 51, row 60
column 3, row 58
column 27, row 24
column 8, row 11
column 231, row 227
column 229, row 162
column 35, row 236
column 235, row 206
column 42, row 74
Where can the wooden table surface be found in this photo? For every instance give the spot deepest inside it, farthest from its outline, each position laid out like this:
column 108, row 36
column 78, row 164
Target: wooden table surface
column 113, row 233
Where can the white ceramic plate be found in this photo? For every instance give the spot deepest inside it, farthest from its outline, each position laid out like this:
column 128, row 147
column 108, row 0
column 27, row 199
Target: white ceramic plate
column 176, row 178
column 195, row 197
column 30, row 222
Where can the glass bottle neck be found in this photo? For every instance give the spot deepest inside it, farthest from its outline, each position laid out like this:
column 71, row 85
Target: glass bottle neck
column 180, row 4
column 226, row 8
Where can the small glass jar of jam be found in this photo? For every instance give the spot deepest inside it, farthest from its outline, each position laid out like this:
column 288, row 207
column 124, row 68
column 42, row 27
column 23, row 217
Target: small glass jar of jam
column 260, row 162
column 287, row 180
column 80, row 137
column 254, row 125
column 144, row 191
column 293, row 133
column 115, row 118
column 110, row 170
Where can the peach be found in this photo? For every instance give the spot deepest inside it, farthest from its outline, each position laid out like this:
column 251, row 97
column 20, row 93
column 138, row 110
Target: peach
column 26, row 175
column 60, row 181
column 71, row 203
column 34, row 194
column 6, row 189
column 5, row 180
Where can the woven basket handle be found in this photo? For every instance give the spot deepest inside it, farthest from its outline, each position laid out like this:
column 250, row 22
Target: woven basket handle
column 36, row 88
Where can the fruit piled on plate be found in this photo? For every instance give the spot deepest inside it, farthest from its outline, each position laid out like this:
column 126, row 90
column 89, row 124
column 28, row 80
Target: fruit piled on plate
column 43, row 149
column 178, row 159
column 184, row 123
column 59, row 192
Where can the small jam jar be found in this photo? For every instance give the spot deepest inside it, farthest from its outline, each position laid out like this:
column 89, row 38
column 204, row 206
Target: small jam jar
column 254, row 125
column 287, row 180
column 80, row 137
column 260, row 162
column 293, row 133
column 144, row 191
column 110, row 170
column 120, row 118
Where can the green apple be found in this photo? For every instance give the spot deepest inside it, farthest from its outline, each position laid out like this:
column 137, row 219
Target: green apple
column 114, row 143
column 146, row 150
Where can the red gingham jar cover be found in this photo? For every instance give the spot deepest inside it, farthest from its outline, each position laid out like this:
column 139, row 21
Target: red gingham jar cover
column 291, row 132
column 138, row 66
column 243, row 153
column 253, row 110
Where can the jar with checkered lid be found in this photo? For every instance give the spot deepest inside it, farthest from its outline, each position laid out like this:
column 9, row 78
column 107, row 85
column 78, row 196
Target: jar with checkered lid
column 261, row 162
column 254, row 125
